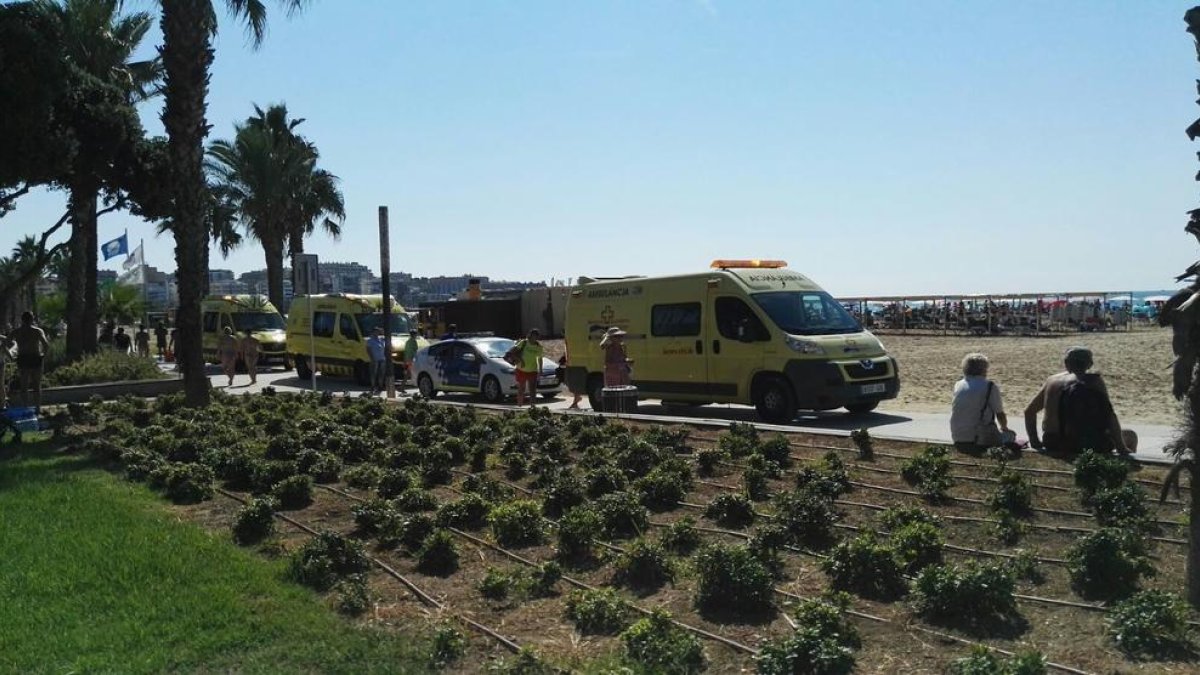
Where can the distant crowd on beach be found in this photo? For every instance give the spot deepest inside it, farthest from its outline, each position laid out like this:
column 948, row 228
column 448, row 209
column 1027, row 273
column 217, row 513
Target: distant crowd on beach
column 988, row 317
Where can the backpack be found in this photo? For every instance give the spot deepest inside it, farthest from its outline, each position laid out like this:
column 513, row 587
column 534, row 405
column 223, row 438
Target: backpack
column 1084, row 412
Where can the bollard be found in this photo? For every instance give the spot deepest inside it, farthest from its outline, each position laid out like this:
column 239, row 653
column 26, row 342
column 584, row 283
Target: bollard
column 620, row 400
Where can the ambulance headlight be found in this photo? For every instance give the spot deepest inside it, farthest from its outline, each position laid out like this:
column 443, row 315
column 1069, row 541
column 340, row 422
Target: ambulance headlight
column 805, row 346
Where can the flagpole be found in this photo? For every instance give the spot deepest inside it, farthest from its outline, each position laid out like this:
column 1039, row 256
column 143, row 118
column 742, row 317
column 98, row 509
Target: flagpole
column 145, row 296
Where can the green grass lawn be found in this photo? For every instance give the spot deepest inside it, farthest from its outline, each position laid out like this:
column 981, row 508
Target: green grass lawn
column 97, row 575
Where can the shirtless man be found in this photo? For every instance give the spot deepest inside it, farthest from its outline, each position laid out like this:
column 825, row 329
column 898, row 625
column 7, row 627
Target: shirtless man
column 1097, row 429
column 31, row 350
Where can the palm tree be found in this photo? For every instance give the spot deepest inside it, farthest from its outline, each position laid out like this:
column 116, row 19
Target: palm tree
column 268, row 175
column 25, row 255
column 100, row 43
column 122, row 304
column 188, row 27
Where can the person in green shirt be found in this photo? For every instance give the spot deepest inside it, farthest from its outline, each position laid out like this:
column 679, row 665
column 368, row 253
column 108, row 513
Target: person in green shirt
column 410, row 352
column 530, row 366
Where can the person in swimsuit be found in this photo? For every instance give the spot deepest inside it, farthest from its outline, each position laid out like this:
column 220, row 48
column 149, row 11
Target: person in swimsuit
column 31, row 351
column 228, row 350
column 249, row 351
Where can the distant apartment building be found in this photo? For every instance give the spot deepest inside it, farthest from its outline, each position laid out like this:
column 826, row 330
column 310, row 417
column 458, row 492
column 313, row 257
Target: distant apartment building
column 222, row 282
column 158, row 288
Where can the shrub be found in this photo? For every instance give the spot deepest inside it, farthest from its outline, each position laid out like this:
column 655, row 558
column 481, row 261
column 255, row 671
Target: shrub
column 622, row 515
column 643, row 566
column 1024, row 566
column 917, row 546
column 754, row 483
column 563, row 492
column 1122, row 507
column 189, row 483
column 1008, row 529
column 577, row 531
column 491, row 490
column 659, row 646
column 929, row 472
column 363, row 476
column 438, row 555
column 325, row 559
column 1096, row 471
column 680, row 537
column 665, row 485
column 731, row 579
column 863, row 443
column 294, row 492
column 371, row 516
column 255, row 522
column 776, row 450
column 731, row 510
column 407, row 531
column 865, row 566
column 897, row 517
column 106, row 366
column 823, row 482
column 352, row 595
column 808, row 516
column 543, row 578
column 449, row 645
column 526, row 662
column 968, row 595
column 1013, row 494
column 983, row 661
column 517, row 523
column 415, row 500
column 266, row 474
column 324, row 467
column 601, row 611
column 823, row 642
column 1107, row 564
column 393, row 482
column 766, row 543
column 468, row 513
column 604, row 479
column 1151, row 624
column 708, row 459
column 740, row 440
column 495, row 585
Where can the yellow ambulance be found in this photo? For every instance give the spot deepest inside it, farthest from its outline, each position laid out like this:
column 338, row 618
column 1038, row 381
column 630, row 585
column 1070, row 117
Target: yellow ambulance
column 243, row 313
column 748, row 331
column 340, row 324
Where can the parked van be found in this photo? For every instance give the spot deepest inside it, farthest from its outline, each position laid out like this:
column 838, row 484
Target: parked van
column 747, row 332
column 241, row 313
column 341, row 324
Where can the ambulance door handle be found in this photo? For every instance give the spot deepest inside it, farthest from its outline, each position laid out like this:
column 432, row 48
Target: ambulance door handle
column 699, row 346
column 716, row 346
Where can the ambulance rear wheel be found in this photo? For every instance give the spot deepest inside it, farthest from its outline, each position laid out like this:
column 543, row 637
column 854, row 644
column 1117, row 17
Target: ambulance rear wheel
column 774, row 402
column 302, row 370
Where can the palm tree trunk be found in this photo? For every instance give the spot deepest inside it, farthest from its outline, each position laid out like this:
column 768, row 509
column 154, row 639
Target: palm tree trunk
column 83, row 202
column 187, row 54
column 296, row 241
column 91, row 293
column 274, row 253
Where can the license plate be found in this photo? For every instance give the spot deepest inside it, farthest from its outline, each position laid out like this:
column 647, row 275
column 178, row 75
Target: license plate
column 874, row 388
column 546, row 381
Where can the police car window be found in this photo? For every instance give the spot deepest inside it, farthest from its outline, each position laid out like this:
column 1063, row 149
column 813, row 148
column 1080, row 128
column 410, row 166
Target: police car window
column 210, row 322
column 323, row 323
column 677, row 320
column 439, row 351
column 736, row 321
column 349, row 330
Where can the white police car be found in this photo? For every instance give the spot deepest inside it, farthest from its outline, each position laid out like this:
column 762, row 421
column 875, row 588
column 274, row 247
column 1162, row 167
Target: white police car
column 476, row 365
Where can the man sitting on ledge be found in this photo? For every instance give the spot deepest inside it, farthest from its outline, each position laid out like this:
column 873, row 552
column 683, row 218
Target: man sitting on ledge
column 1078, row 414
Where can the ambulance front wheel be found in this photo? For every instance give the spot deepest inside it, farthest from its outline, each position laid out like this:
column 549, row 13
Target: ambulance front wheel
column 303, row 371
column 862, row 408
column 775, row 402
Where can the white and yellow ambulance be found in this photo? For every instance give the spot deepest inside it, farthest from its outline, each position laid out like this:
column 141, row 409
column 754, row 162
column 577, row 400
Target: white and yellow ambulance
column 340, row 324
column 243, row 313
column 747, row 331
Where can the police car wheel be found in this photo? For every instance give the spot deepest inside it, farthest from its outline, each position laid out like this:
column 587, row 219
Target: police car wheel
column 492, row 393
column 774, row 402
column 425, row 386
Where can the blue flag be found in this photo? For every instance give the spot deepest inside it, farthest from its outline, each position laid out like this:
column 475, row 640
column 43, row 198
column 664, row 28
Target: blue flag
column 116, row 247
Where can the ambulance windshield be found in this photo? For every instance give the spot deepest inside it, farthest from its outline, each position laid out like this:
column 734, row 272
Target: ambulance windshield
column 807, row 313
column 244, row 321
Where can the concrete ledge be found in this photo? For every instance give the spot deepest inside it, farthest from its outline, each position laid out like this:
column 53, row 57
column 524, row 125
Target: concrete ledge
column 110, row 390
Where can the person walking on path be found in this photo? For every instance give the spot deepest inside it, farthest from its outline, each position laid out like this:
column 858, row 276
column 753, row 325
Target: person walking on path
column 6, row 352
column 160, row 337
column 529, row 366
column 1077, row 412
column 121, row 342
column 141, row 340
column 228, row 350
column 411, row 345
column 249, row 349
column 976, row 408
column 31, row 352
column 575, row 388
column 377, row 350
column 617, row 365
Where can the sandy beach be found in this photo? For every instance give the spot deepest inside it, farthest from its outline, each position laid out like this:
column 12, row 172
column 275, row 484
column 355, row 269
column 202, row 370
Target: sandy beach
column 1136, row 366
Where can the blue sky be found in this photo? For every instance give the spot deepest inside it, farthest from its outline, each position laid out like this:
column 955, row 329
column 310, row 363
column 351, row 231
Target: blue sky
column 880, row 147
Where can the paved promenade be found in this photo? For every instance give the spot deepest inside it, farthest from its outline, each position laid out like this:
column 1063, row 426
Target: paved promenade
column 883, row 423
